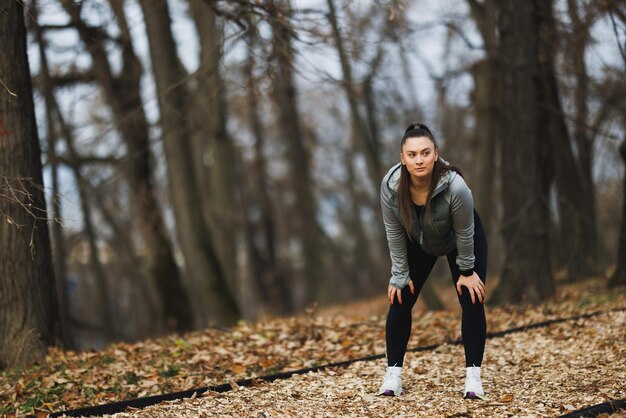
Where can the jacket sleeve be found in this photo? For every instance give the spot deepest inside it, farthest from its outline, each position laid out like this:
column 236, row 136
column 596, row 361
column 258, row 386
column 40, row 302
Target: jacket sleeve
column 462, row 207
column 396, row 240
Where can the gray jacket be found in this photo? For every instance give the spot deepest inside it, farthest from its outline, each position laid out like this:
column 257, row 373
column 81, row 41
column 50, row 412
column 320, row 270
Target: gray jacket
column 450, row 225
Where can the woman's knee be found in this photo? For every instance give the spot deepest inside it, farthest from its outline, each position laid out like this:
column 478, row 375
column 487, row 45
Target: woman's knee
column 466, row 302
column 398, row 308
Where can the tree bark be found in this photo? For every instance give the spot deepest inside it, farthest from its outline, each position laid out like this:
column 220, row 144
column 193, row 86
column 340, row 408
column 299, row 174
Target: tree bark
column 527, row 274
column 619, row 275
column 284, row 95
column 588, row 235
column 123, row 95
column 574, row 203
column 202, row 260
column 29, row 315
column 271, row 281
column 365, row 135
column 107, row 323
column 214, row 150
column 58, row 240
column 487, row 101
column 360, row 128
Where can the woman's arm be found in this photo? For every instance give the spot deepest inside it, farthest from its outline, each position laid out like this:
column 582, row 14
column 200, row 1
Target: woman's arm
column 396, row 240
column 462, row 208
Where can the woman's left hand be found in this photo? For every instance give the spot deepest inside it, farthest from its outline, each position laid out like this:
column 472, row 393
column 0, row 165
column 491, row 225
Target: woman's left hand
column 474, row 285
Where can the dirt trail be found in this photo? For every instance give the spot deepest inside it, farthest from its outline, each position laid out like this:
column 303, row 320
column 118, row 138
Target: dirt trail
column 542, row 372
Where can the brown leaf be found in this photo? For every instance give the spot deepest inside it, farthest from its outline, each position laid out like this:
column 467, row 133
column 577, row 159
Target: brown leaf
column 507, row 397
column 237, row 368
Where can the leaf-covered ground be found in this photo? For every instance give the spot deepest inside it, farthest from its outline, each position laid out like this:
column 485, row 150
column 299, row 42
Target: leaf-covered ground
column 544, row 372
column 70, row 380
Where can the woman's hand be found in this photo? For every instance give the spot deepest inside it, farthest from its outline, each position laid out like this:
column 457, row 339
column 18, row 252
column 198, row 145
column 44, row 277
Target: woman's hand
column 474, row 285
column 393, row 291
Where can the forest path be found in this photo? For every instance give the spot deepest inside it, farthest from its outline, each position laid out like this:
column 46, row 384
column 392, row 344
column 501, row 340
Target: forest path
column 546, row 371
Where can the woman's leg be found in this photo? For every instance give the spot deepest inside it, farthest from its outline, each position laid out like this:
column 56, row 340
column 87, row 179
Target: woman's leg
column 474, row 324
column 399, row 320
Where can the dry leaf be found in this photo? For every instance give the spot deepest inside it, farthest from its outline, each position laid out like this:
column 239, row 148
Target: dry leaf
column 507, row 397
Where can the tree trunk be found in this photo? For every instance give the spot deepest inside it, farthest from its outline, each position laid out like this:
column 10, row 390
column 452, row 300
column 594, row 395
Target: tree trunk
column 365, row 278
column 290, row 129
column 129, row 113
column 212, row 145
column 372, row 154
column 584, row 142
column 527, row 274
column 271, row 282
column 202, row 261
column 121, row 243
column 487, row 101
column 58, row 240
column 124, row 97
column 107, row 323
column 364, row 130
column 29, row 316
column 619, row 275
column 574, row 203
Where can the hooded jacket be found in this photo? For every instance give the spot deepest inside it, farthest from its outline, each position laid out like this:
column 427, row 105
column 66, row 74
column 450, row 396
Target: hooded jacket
column 450, row 224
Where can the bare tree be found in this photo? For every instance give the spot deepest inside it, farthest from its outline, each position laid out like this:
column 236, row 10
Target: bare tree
column 579, row 40
column 202, row 260
column 58, row 240
column 486, row 97
column 29, row 316
column 619, row 275
column 216, row 162
column 291, row 133
column 527, row 274
column 576, row 214
column 122, row 93
column 360, row 127
column 271, row 281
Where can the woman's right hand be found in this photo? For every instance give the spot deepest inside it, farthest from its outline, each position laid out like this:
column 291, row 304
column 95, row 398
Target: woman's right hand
column 392, row 292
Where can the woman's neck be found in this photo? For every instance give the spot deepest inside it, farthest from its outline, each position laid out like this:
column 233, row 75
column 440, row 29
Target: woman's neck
column 420, row 183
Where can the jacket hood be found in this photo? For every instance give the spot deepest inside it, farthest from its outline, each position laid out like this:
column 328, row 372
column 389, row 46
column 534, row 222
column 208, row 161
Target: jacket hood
column 393, row 179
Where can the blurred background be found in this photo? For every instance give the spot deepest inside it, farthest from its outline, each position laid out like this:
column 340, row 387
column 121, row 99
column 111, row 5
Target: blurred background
column 207, row 161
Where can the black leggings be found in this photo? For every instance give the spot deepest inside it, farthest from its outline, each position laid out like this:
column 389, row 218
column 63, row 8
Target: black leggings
column 473, row 325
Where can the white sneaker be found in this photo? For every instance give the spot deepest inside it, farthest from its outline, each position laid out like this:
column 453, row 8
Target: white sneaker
column 473, row 384
column 392, row 384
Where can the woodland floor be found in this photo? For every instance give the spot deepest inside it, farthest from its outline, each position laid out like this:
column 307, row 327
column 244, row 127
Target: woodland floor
column 545, row 371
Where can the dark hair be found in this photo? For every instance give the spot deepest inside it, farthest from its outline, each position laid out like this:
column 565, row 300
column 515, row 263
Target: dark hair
column 418, row 130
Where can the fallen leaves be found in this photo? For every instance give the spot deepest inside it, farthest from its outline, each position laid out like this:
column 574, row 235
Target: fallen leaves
column 557, row 383
column 70, row 380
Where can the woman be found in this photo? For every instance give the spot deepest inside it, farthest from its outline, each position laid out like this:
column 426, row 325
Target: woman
column 428, row 211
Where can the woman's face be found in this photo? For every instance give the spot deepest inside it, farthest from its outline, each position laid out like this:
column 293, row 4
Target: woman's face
column 419, row 156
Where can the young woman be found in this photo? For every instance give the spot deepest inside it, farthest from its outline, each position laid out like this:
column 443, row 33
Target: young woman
column 428, row 211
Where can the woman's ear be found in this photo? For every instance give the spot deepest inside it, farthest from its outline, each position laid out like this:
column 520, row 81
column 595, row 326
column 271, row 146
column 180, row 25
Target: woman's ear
column 436, row 154
column 402, row 159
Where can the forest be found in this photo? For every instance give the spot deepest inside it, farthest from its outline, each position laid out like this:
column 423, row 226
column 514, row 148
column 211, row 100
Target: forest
column 169, row 166
column 190, row 202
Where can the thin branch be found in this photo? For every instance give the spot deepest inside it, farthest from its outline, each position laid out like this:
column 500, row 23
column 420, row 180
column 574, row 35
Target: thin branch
column 464, row 38
column 619, row 44
column 8, row 90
